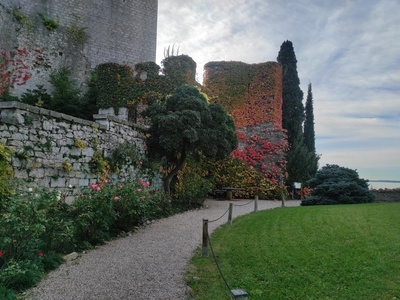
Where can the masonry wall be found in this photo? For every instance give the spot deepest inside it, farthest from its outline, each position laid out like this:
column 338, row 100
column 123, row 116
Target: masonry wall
column 46, row 142
column 121, row 31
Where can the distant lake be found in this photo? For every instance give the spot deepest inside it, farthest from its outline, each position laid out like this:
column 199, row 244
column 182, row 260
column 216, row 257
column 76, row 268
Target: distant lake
column 384, row 185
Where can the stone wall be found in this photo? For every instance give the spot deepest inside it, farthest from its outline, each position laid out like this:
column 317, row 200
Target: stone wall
column 56, row 151
column 121, row 31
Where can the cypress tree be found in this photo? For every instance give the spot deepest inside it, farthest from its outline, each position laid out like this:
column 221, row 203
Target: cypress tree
column 293, row 114
column 292, row 95
column 309, row 132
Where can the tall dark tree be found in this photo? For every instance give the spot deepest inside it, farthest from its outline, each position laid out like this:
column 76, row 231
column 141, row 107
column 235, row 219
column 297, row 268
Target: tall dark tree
column 292, row 95
column 292, row 113
column 309, row 133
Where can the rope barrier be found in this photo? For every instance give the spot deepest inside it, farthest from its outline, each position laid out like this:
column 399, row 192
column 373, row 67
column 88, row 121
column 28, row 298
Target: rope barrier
column 219, row 217
column 216, row 262
column 243, row 204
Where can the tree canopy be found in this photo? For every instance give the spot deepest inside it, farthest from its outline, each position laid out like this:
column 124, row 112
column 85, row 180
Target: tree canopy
column 333, row 184
column 185, row 124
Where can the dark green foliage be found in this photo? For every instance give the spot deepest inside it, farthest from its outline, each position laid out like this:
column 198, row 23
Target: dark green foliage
column 37, row 97
column 65, row 97
column 7, row 294
column 338, row 185
column 7, row 97
column 32, row 223
column 113, row 83
column 292, row 95
column 185, row 124
column 125, row 154
column 20, row 275
column 309, row 134
column 300, row 161
column 179, row 70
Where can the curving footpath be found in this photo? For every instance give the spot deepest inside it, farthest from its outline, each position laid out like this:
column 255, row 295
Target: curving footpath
column 148, row 264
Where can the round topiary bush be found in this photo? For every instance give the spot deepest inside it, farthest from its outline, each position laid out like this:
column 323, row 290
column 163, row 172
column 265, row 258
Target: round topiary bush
column 333, row 184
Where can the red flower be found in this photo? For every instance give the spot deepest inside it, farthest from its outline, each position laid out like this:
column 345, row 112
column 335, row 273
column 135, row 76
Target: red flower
column 41, row 254
column 1, row 254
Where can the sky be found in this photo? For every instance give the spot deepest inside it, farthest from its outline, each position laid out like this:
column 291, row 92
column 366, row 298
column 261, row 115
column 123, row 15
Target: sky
column 349, row 50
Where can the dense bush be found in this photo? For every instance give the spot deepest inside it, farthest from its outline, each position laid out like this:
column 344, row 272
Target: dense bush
column 337, row 185
column 37, row 227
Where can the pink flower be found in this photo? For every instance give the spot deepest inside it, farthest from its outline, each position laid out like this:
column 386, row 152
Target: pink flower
column 121, row 186
column 140, row 163
column 41, row 254
column 105, row 180
column 139, row 190
column 147, row 183
column 116, row 198
column 98, row 188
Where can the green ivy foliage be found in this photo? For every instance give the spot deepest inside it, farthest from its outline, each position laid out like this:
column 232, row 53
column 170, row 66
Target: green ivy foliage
column 113, row 83
column 6, row 173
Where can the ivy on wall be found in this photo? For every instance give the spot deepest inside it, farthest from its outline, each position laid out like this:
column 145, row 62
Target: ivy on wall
column 14, row 69
column 252, row 94
column 122, row 86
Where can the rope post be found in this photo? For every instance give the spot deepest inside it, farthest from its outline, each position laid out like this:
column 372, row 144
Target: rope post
column 230, row 214
column 256, row 203
column 205, row 238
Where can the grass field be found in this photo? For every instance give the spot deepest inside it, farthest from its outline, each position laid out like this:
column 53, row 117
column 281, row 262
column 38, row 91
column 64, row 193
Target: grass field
column 317, row 252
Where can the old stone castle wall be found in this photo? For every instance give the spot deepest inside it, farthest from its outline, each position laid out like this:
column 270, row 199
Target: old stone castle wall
column 90, row 32
column 57, row 151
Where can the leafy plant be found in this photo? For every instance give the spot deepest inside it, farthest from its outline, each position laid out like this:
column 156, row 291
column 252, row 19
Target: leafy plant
column 187, row 124
column 76, row 34
column 21, row 17
column 337, row 185
column 6, row 173
column 7, row 294
column 37, row 97
column 78, row 143
column 20, row 275
column 125, row 154
column 50, row 24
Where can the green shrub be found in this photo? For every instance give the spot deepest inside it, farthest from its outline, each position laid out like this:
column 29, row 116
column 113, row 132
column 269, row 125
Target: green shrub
column 32, row 223
column 6, row 173
column 94, row 214
column 337, row 185
column 37, row 97
column 193, row 189
column 20, row 275
column 7, row 294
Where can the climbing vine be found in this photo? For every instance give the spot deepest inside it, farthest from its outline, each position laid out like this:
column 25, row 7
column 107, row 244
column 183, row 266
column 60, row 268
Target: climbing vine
column 14, row 69
column 252, row 94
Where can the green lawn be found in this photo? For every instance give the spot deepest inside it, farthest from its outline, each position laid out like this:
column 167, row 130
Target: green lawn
column 318, row 252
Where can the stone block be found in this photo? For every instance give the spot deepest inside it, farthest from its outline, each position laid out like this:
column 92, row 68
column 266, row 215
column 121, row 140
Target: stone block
column 57, row 182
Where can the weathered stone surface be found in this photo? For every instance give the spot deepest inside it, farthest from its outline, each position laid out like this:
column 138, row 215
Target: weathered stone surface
column 124, row 32
column 46, row 151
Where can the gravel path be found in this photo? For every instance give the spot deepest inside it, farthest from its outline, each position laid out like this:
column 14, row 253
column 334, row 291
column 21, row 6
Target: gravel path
column 149, row 264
